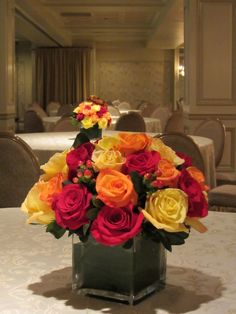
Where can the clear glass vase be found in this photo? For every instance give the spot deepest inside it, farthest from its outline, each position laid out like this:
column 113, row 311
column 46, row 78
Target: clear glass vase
column 116, row 272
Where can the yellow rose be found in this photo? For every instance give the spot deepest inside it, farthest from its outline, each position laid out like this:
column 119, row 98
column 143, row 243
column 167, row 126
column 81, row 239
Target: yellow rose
column 37, row 210
column 77, row 109
column 108, row 142
column 111, row 159
column 102, row 123
column 96, row 108
column 56, row 164
column 165, row 151
column 167, row 209
column 87, row 123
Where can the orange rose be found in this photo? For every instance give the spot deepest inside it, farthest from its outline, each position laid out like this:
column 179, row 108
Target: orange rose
column 131, row 143
column 48, row 189
column 197, row 175
column 167, row 173
column 115, row 189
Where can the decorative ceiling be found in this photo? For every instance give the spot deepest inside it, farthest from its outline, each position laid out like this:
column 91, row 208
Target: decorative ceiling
column 101, row 23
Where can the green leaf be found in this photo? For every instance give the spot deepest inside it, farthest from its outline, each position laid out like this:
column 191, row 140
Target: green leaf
column 93, row 132
column 91, row 213
column 66, row 182
column 55, row 229
column 97, row 203
column 128, row 244
column 81, row 138
column 137, row 180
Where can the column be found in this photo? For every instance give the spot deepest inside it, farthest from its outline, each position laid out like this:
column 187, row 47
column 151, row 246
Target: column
column 210, row 60
column 7, row 57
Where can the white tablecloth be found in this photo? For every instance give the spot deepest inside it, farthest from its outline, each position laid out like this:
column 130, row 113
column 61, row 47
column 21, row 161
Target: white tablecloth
column 153, row 125
column 46, row 144
column 35, row 272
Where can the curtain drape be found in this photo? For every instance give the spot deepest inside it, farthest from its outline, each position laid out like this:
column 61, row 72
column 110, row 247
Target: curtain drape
column 62, row 74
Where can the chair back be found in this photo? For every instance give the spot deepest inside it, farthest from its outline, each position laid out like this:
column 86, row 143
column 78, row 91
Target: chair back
column 183, row 143
column 113, row 111
column 52, row 108
column 38, row 109
column 175, row 123
column 124, row 106
column 64, row 124
column 65, row 109
column 32, row 122
column 215, row 130
column 19, row 170
column 163, row 114
column 132, row 122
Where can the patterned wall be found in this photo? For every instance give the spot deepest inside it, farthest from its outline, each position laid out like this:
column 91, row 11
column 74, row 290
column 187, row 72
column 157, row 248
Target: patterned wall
column 135, row 81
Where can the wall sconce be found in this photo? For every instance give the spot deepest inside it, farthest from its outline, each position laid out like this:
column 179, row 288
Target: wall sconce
column 181, row 70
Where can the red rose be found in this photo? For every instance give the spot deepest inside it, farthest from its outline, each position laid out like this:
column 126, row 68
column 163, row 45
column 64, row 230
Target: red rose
column 70, row 206
column 187, row 160
column 197, row 203
column 114, row 226
column 142, row 162
column 79, row 154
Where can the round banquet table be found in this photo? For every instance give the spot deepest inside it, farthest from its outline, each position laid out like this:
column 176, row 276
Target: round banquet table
column 46, row 144
column 35, row 272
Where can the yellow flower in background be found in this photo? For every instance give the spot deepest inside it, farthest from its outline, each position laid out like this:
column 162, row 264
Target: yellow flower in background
column 167, row 209
column 56, row 164
column 96, row 108
column 108, row 142
column 87, row 123
column 102, row 123
column 111, row 159
column 37, row 210
column 165, row 151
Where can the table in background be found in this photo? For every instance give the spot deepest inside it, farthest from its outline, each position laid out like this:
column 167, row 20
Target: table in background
column 46, row 144
column 153, row 125
column 50, row 122
column 35, row 272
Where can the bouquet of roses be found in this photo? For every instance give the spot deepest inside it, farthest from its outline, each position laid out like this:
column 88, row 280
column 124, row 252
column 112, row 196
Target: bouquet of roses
column 117, row 187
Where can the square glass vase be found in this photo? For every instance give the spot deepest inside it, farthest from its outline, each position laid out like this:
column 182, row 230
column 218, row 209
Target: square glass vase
column 116, row 272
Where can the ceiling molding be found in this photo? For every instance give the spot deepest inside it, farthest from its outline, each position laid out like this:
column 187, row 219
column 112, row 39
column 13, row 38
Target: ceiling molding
column 42, row 19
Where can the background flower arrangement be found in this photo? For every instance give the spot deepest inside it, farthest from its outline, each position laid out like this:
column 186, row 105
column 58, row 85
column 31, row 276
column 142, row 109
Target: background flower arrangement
column 118, row 187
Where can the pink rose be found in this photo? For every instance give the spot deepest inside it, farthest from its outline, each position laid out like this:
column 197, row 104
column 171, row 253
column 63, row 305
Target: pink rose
column 70, row 206
column 142, row 162
column 197, row 203
column 114, row 226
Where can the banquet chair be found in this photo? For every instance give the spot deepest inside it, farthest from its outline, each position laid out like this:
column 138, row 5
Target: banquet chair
column 183, row 143
column 113, row 111
column 32, row 122
column 132, row 122
column 175, row 123
column 215, row 130
column 64, row 109
column 19, row 170
column 163, row 114
column 52, row 108
column 64, row 124
column 223, row 198
column 124, row 106
column 38, row 109
column 146, row 108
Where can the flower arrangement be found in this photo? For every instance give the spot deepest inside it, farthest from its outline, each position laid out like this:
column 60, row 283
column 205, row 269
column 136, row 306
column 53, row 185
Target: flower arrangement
column 92, row 115
column 118, row 187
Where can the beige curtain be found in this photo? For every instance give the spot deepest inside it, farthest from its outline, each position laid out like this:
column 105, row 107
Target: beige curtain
column 62, row 74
